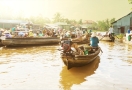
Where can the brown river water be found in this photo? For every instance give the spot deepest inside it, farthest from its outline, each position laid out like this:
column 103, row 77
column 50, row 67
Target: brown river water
column 41, row 68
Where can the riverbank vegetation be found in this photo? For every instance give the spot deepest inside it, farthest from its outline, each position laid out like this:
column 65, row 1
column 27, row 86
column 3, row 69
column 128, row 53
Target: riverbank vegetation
column 101, row 25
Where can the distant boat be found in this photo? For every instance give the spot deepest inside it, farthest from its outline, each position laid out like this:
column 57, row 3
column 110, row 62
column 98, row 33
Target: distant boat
column 85, row 39
column 104, row 36
column 30, row 41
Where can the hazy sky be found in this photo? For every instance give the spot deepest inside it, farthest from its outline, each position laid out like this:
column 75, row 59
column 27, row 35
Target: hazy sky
column 72, row 9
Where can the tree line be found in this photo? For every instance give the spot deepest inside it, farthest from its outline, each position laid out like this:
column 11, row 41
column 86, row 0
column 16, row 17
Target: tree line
column 9, row 15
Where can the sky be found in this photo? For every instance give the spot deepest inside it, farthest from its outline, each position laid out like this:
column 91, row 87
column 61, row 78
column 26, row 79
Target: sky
column 72, row 9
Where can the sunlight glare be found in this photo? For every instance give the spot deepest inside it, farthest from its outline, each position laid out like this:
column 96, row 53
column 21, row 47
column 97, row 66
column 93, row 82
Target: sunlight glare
column 18, row 7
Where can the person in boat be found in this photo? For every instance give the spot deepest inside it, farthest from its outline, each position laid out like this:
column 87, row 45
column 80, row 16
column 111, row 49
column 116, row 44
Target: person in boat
column 128, row 31
column 66, row 46
column 40, row 34
column 94, row 41
column 13, row 30
column 21, row 34
column 79, row 33
column 1, row 32
column 110, row 31
column 7, row 34
column 67, row 34
column 31, row 33
column 90, row 31
column 77, row 50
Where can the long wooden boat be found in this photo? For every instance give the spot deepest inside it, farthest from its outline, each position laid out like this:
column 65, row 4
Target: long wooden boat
column 79, row 60
column 86, row 41
column 28, row 41
column 80, row 40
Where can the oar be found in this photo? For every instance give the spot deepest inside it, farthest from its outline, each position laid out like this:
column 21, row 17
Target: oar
column 117, row 37
column 102, row 37
column 101, row 50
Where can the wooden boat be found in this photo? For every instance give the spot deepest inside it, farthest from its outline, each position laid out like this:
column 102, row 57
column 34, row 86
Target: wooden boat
column 29, row 41
column 80, row 40
column 86, row 41
column 104, row 36
column 79, row 60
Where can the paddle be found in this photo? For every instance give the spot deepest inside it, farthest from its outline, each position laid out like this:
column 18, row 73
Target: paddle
column 101, row 50
column 102, row 37
column 117, row 37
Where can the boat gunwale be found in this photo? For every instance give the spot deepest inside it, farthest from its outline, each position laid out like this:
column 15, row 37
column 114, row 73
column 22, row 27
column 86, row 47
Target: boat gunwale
column 34, row 38
column 92, row 54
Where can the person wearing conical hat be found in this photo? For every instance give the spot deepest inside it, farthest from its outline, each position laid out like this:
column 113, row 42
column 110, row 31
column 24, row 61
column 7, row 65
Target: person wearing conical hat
column 94, row 40
column 7, row 34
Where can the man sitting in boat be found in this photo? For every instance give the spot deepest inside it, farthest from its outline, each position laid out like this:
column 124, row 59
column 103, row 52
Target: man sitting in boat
column 77, row 50
column 21, row 34
column 66, row 46
column 67, row 34
column 94, row 41
column 7, row 34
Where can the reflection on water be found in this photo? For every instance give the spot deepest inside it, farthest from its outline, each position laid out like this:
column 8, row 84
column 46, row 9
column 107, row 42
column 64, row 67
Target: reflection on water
column 27, row 54
column 77, row 75
column 117, row 50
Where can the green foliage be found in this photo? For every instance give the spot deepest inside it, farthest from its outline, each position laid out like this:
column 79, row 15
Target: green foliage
column 105, row 24
column 101, row 25
column 39, row 20
column 80, row 21
column 120, row 35
column 130, row 1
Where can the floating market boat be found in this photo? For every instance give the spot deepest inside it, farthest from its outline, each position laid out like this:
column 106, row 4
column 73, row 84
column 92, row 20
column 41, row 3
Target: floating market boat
column 75, row 60
column 30, row 41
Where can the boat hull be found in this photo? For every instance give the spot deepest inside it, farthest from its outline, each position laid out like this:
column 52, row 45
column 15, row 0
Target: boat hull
column 79, row 60
column 87, row 41
column 30, row 41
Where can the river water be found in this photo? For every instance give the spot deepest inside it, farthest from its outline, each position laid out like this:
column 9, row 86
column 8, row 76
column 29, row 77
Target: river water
column 41, row 68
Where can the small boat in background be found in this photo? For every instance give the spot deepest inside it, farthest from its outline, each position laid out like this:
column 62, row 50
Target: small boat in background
column 30, row 41
column 104, row 36
column 85, row 39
